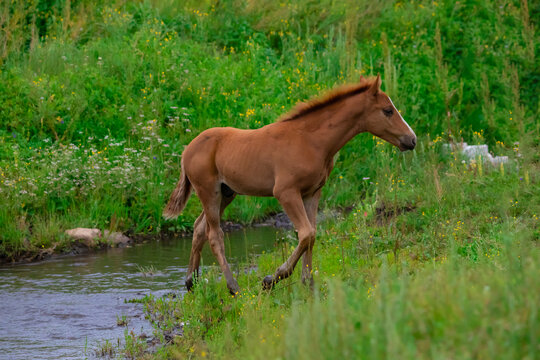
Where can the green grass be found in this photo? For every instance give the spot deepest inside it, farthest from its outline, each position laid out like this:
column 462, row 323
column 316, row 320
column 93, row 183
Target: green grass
column 452, row 275
column 439, row 260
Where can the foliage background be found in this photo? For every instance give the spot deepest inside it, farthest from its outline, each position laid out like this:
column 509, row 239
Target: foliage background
column 98, row 98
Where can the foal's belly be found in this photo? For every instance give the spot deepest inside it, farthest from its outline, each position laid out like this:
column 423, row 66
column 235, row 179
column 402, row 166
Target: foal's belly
column 248, row 184
column 247, row 169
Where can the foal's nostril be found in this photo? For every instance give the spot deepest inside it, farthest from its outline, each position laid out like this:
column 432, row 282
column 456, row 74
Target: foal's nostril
column 407, row 142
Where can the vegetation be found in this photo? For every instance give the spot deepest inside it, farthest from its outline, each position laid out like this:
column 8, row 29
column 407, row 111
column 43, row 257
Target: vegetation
column 97, row 100
column 438, row 257
column 439, row 262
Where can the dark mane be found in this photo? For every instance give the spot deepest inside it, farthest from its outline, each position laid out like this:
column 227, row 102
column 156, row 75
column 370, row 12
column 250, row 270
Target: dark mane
column 342, row 92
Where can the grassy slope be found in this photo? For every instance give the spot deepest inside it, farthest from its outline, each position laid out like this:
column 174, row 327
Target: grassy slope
column 95, row 114
column 453, row 278
column 98, row 100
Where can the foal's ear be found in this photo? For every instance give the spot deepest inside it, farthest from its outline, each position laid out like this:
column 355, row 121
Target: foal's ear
column 374, row 88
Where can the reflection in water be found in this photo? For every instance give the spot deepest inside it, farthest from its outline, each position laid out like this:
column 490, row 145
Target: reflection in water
column 64, row 307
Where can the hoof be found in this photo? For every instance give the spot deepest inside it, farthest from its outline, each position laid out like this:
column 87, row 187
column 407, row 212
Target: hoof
column 234, row 289
column 268, row 282
column 234, row 292
column 189, row 284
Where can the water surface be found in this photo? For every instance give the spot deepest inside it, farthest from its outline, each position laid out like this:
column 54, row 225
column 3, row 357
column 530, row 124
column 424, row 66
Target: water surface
column 64, row 307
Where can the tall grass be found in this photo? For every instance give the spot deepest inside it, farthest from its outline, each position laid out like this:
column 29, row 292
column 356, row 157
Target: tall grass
column 438, row 260
column 452, row 310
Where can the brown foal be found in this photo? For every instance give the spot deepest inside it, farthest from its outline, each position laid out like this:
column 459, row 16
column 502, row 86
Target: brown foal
column 289, row 159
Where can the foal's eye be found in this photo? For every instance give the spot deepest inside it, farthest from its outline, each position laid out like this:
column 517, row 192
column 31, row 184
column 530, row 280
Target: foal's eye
column 388, row 112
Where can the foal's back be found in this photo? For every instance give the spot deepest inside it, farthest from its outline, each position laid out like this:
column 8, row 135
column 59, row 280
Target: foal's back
column 248, row 161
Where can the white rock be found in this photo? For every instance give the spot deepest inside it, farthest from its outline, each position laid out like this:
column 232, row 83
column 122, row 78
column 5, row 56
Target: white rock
column 473, row 151
column 499, row 160
column 90, row 236
column 87, row 236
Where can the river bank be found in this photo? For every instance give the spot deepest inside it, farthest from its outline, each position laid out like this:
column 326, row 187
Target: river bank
column 71, row 247
column 423, row 280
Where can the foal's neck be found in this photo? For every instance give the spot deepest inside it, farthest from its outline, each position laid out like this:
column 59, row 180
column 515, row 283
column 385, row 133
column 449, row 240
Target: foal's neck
column 334, row 126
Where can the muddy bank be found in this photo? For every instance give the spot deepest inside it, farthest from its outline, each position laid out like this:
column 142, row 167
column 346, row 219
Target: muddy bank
column 84, row 246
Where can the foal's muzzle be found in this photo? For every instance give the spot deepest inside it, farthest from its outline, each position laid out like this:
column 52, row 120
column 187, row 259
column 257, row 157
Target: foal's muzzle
column 407, row 142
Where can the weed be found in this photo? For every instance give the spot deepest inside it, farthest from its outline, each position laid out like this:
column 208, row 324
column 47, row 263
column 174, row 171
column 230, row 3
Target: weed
column 94, row 135
column 146, row 271
column 105, row 350
column 122, row 320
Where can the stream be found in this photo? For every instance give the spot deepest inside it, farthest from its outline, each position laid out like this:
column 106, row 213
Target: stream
column 63, row 308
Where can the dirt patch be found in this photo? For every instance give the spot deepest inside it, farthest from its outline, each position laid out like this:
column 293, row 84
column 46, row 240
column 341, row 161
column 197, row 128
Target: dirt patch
column 279, row 221
column 385, row 212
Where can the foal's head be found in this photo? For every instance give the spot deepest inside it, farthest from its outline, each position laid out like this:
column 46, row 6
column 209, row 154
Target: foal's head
column 384, row 120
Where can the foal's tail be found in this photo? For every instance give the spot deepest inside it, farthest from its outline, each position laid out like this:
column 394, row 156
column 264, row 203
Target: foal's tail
column 179, row 197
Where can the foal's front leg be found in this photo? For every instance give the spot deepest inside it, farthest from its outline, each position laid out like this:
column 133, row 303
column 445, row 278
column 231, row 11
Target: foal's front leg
column 294, row 207
column 311, row 204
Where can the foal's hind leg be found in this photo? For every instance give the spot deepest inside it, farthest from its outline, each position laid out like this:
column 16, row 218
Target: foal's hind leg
column 199, row 238
column 212, row 204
